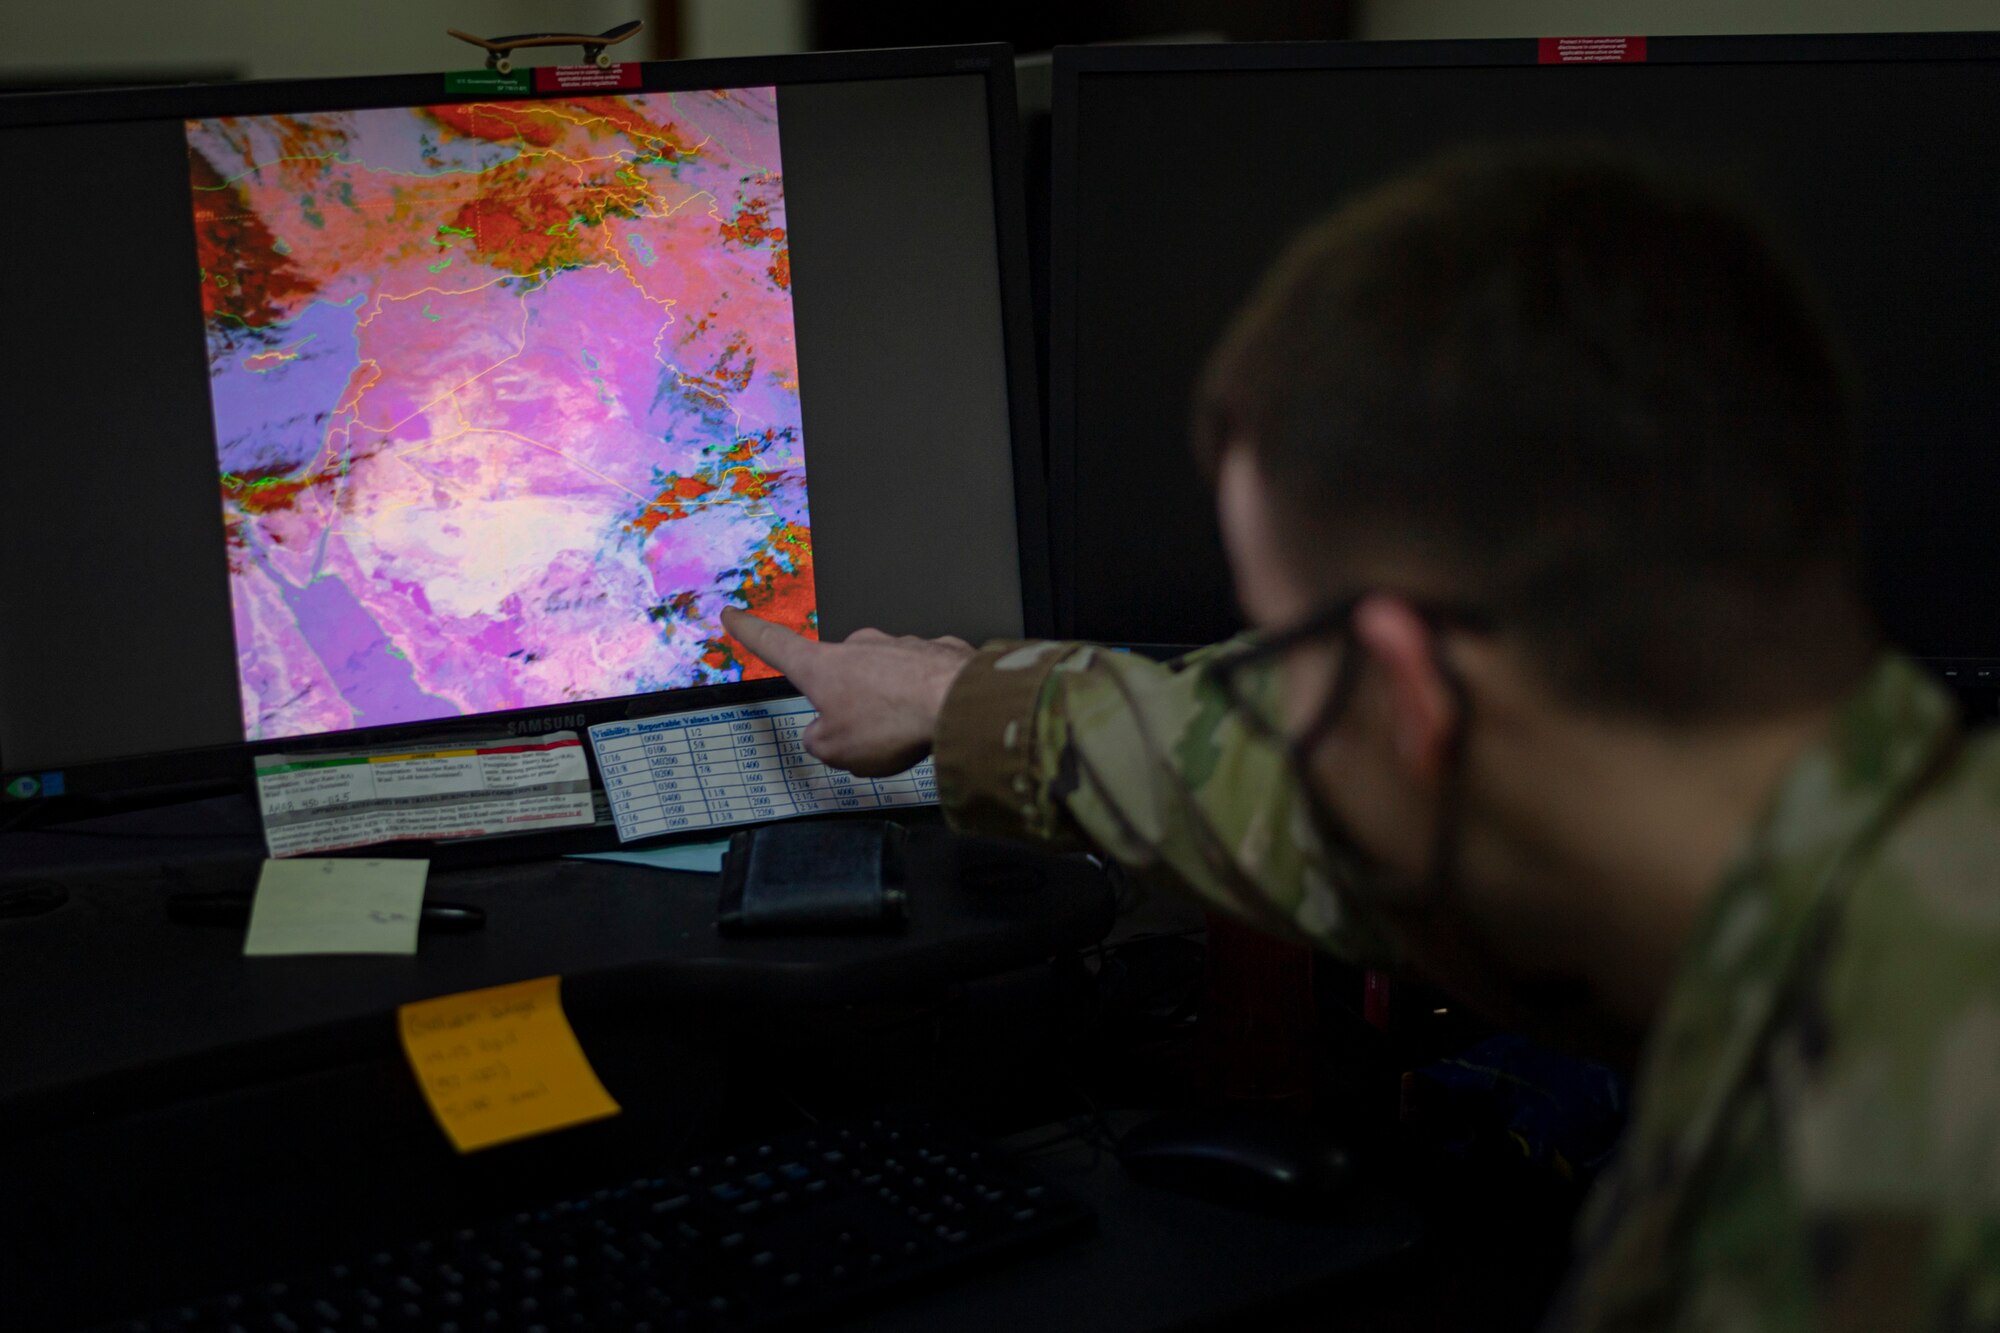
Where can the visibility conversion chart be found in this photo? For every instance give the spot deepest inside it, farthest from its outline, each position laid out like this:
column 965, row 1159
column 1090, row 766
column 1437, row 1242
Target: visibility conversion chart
column 732, row 766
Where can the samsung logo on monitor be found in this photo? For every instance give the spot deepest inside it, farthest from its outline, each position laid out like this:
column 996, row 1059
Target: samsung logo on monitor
column 536, row 726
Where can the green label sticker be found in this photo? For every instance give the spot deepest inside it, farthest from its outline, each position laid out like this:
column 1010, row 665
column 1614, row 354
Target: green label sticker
column 486, row 81
column 23, row 787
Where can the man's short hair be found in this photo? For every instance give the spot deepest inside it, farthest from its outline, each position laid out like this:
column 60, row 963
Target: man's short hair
column 1591, row 401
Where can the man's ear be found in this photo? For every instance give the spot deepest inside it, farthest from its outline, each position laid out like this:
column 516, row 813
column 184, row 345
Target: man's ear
column 1422, row 710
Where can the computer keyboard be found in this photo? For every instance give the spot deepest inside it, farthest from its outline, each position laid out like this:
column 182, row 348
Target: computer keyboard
column 790, row 1229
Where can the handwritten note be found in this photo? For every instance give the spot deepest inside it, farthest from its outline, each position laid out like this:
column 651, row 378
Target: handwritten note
column 336, row 907
column 501, row 1064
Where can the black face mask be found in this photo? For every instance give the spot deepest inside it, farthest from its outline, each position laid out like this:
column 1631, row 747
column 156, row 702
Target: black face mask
column 1354, row 871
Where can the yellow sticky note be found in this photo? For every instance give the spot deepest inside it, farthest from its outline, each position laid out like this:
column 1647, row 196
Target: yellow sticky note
column 502, row 1063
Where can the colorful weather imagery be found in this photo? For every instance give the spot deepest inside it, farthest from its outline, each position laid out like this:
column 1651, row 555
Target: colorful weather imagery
column 506, row 401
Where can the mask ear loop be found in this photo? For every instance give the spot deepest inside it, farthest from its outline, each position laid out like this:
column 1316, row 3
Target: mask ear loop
column 1346, row 678
column 1337, row 840
column 1442, row 875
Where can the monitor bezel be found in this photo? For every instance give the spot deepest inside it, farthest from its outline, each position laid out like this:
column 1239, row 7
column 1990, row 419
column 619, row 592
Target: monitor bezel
column 1073, row 64
column 159, row 775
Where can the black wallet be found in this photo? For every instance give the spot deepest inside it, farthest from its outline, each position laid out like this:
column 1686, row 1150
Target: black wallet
column 814, row 877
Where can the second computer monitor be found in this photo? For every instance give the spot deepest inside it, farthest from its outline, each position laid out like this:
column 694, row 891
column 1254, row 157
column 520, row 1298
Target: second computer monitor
column 1181, row 172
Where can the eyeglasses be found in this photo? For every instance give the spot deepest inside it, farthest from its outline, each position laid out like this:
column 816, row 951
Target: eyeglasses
column 1255, row 696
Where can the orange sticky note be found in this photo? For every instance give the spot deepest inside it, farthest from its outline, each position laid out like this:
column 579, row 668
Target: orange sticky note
column 502, row 1063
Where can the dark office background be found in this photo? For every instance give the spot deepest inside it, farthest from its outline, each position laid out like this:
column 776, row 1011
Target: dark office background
column 128, row 41
column 1119, row 1019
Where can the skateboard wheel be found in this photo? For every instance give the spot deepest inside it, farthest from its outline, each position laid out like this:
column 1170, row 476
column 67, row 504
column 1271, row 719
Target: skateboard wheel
column 604, row 60
column 504, row 65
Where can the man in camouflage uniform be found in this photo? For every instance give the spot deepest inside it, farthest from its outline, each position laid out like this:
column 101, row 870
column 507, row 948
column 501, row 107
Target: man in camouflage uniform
column 1537, row 483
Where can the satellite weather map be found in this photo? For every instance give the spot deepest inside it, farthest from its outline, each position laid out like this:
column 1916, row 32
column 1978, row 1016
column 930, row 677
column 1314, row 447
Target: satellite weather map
column 506, row 401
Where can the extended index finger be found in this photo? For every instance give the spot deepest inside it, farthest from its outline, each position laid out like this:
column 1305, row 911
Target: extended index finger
column 788, row 653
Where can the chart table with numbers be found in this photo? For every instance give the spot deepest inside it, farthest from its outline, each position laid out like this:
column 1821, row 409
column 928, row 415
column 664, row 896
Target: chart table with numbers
column 732, row 766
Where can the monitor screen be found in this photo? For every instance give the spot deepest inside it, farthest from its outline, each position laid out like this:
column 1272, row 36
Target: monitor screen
column 347, row 405
column 1873, row 158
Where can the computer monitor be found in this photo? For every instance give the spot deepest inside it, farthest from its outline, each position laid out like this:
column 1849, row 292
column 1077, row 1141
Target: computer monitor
column 346, row 410
column 1180, row 172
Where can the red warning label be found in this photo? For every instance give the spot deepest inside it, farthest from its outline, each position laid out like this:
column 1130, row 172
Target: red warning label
column 1592, row 50
column 585, row 78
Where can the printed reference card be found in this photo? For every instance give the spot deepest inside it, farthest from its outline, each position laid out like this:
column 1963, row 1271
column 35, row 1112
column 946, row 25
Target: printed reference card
column 321, row 802
column 726, row 766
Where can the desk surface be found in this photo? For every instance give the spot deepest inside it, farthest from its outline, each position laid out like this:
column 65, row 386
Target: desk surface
column 1160, row 1260
column 109, row 1003
column 263, row 1100
column 1155, row 1260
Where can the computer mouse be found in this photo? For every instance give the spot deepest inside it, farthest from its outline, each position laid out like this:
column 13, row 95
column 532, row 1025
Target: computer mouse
column 1246, row 1157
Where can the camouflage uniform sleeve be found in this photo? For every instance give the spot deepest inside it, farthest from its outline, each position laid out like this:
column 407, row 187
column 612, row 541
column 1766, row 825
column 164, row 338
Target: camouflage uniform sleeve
column 1895, row 1158
column 1815, row 1138
column 1076, row 745
column 1895, row 1145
